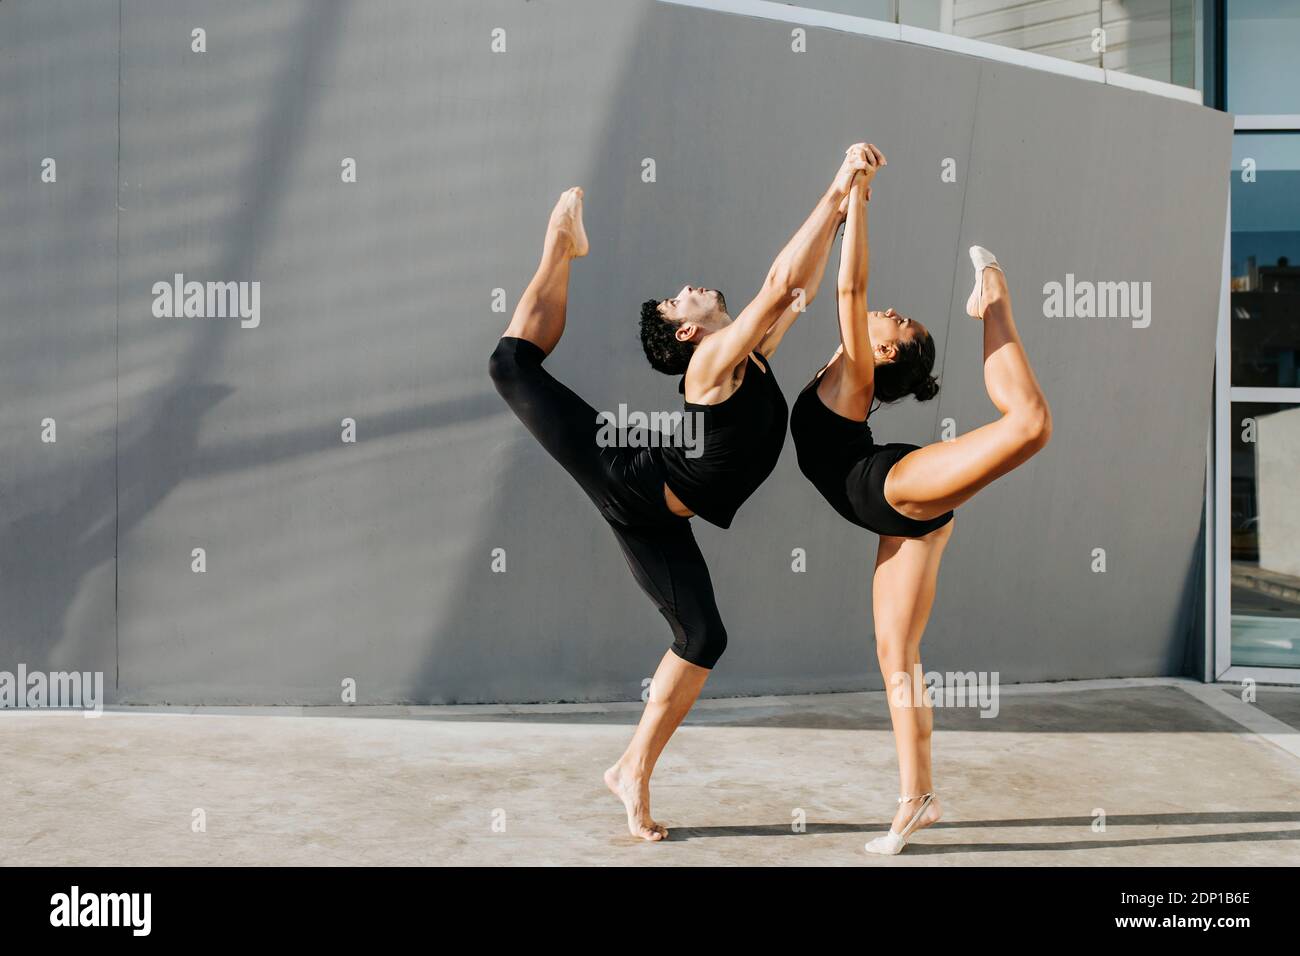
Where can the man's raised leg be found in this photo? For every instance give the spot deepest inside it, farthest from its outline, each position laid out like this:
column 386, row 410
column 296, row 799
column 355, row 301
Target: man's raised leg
column 539, row 316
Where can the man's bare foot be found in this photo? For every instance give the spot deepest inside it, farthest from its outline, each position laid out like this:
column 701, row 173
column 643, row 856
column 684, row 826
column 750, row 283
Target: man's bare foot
column 635, row 794
column 566, row 221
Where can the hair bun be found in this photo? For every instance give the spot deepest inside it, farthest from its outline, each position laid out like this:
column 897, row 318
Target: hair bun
column 927, row 389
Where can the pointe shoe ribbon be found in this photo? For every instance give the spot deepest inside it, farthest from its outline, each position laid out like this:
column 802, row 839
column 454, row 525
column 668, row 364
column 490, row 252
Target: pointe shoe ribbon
column 892, row 843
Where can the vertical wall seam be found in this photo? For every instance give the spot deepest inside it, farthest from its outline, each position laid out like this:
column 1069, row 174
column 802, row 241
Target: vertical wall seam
column 961, row 226
column 117, row 376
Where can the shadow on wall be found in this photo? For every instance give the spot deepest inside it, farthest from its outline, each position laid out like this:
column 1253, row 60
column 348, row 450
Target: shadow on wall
column 338, row 552
column 46, row 552
column 563, row 563
column 56, row 295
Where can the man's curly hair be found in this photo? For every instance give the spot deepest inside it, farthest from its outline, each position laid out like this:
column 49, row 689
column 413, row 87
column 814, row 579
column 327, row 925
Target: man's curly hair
column 659, row 339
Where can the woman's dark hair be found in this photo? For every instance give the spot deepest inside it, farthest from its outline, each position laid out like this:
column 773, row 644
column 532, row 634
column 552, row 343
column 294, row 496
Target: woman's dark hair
column 909, row 373
column 659, row 339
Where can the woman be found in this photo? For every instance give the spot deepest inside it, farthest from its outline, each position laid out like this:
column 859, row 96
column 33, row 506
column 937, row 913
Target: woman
column 648, row 495
column 903, row 493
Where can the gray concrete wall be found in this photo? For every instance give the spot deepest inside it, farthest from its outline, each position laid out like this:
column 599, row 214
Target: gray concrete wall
column 372, row 560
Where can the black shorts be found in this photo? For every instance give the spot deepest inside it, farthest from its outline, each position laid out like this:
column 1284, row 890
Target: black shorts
column 626, row 486
column 843, row 462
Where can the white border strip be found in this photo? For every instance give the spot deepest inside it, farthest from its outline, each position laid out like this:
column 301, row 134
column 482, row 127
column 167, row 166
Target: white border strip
column 1249, row 716
column 1208, row 643
column 1288, row 676
column 1222, row 634
column 1278, row 121
column 1285, row 396
column 806, row 16
column 1131, row 81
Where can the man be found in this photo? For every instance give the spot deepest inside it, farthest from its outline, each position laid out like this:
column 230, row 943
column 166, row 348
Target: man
column 648, row 494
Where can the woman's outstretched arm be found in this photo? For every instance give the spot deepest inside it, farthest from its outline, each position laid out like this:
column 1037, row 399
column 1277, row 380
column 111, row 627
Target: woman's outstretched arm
column 858, row 363
column 848, row 381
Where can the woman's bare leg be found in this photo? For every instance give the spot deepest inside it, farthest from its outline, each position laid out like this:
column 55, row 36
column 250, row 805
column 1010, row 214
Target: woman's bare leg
column 902, row 594
column 676, row 685
column 539, row 316
column 937, row 478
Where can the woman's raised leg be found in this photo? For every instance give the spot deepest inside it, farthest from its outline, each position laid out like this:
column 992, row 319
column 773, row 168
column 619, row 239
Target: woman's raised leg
column 937, row 478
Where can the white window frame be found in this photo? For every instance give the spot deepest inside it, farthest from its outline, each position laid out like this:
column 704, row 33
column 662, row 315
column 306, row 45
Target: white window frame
column 1218, row 665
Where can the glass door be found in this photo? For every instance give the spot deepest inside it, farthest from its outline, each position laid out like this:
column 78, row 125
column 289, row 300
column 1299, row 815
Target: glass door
column 1257, row 401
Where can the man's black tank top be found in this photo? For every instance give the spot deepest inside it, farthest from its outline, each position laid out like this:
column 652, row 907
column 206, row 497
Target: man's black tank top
column 739, row 445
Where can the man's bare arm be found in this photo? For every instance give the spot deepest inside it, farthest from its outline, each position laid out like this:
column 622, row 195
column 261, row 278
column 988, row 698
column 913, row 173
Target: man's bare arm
column 791, row 281
column 771, row 339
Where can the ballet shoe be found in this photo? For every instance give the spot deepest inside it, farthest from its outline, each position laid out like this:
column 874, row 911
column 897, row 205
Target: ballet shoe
column 982, row 259
column 892, row 843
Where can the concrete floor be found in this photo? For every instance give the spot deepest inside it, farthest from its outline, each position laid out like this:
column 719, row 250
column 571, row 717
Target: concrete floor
column 1180, row 779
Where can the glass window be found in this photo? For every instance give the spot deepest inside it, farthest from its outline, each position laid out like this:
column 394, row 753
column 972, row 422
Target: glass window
column 1262, row 62
column 1265, row 534
column 1266, row 260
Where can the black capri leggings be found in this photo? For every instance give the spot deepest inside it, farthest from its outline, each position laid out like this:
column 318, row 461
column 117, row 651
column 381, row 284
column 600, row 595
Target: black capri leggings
column 626, row 485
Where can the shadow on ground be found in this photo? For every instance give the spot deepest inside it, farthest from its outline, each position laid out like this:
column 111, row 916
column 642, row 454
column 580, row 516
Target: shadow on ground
column 1074, row 823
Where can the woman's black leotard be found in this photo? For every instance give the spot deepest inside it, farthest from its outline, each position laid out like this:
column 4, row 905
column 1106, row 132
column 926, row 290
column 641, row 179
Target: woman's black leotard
column 626, row 485
column 840, row 458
